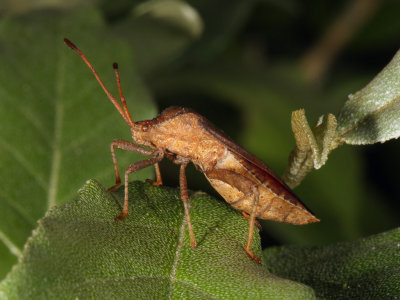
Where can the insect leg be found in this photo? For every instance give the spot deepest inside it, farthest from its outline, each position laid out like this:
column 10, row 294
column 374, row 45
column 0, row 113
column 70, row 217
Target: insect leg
column 184, row 197
column 251, row 225
column 158, row 176
column 125, row 145
column 247, row 216
column 131, row 169
column 247, row 187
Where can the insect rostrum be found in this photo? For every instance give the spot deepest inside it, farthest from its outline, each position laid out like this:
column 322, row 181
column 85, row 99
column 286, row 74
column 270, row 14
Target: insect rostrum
column 184, row 136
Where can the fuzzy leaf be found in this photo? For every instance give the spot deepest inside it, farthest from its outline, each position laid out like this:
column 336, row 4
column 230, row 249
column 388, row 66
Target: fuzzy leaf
column 372, row 114
column 300, row 160
column 325, row 133
column 79, row 251
column 367, row 268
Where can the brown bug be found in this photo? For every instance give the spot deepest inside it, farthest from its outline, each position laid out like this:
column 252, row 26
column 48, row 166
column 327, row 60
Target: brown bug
column 184, row 136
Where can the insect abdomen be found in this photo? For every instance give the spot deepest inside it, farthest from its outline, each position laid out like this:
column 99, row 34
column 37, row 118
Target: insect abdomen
column 238, row 186
column 270, row 205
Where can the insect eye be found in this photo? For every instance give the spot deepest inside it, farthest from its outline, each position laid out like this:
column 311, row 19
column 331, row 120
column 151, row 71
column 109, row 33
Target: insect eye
column 145, row 128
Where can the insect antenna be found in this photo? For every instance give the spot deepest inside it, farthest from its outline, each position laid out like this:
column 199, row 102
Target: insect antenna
column 124, row 112
column 121, row 97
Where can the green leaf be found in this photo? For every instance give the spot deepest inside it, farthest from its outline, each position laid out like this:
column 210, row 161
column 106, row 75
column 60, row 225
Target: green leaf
column 367, row 268
column 56, row 122
column 78, row 250
column 372, row 114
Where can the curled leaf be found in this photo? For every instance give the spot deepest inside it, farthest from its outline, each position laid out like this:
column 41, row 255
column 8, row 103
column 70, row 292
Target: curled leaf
column 312, row 146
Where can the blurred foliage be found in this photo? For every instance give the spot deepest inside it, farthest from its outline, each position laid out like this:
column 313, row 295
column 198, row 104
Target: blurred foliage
column 55, row 131
column 243, row 71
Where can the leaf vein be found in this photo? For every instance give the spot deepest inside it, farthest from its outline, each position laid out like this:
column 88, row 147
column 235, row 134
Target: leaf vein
column 24, row 163
column 14, row 249
column 56, row 157
column 178, row 252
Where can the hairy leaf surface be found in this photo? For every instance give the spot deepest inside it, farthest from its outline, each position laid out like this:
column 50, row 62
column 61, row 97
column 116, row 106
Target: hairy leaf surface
column 79, row 251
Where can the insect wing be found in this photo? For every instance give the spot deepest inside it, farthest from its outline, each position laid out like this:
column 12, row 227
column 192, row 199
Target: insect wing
column 254, row 165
